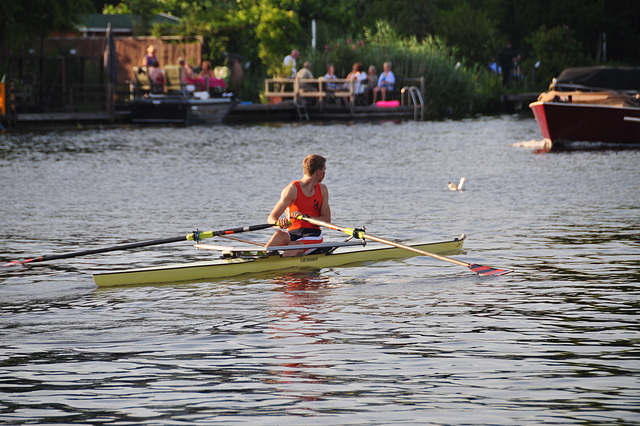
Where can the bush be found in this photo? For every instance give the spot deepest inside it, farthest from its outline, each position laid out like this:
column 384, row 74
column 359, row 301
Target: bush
column 449, row 86
column 556, row 49
column 470, row 29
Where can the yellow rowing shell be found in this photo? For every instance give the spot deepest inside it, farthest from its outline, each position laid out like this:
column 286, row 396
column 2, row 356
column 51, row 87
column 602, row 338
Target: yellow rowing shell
column 220, row 268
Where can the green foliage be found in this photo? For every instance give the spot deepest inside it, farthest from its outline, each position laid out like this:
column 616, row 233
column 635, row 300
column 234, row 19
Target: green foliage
column 420, row 37
column 556, row 49
column 274, row 30
column 471, row 30
column 256, row 30
column 448, row 85
column 143, row 10
column 25, row 21
column 407, row 17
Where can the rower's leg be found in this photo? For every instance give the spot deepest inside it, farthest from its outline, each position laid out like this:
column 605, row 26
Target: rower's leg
column 279, row 238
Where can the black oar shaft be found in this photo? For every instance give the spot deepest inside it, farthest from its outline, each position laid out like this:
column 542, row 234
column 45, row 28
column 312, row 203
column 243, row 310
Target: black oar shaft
column 113, row 248
column 193, row 236
column 209, row 234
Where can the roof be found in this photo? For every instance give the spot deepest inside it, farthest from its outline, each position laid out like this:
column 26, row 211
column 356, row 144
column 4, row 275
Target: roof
column 97, row 22
column 614, row 78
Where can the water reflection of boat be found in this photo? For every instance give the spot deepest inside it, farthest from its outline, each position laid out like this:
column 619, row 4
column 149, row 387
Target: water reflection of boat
column 594, row 104
column 180, row 108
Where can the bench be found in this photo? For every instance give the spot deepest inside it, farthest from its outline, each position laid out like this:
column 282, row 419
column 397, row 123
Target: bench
column 277, row 89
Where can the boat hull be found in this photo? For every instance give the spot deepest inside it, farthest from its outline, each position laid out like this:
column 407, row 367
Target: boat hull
column 180, row 110
column 220, row 268
column 560, row 121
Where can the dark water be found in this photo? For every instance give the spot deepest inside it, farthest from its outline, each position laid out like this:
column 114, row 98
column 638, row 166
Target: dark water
column 409, row 341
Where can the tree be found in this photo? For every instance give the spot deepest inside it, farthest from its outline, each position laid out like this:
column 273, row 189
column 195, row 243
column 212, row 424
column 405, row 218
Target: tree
column 141, row 10
column 30, row 20
column 556, row 48
column 471, row 30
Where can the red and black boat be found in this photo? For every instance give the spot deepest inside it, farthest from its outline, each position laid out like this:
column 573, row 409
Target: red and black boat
column 593, row 104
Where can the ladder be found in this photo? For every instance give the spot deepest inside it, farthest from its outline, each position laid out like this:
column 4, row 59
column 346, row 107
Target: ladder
column 416, row 100
column 301, row 106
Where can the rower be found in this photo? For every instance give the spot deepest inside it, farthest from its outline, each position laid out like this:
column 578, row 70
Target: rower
column 307, row 197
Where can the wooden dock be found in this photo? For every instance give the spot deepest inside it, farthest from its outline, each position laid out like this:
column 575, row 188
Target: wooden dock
column 519, row 101
column 65, row 118
column 286, row 111
column 62, row 117
column 289, row 111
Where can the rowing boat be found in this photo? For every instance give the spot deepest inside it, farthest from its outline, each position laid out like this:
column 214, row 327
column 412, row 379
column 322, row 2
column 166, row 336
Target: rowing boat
column 239, row 261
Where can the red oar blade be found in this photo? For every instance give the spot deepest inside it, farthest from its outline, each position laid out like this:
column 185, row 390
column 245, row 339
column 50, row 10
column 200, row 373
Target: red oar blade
column 488, row 270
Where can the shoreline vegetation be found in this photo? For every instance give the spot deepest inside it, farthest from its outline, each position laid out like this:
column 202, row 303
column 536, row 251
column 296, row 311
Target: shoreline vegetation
column 450, row 88
column 454, row 46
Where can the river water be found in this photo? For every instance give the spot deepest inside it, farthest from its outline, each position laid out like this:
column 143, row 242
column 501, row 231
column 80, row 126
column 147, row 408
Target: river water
column 407, row 341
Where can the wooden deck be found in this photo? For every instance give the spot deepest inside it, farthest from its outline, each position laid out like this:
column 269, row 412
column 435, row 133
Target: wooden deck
column 65, row 118
column 288, row 111
column 519, row 101
column 241, row 113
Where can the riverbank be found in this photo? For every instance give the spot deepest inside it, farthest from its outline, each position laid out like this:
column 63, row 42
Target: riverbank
column 243, row 112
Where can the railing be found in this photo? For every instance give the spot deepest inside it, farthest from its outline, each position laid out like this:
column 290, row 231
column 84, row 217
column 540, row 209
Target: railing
column 299, row 88
column 416, row 99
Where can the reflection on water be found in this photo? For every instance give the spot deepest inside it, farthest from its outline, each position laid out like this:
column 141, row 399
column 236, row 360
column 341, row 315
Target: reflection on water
column 297, row 311
column 414, row 340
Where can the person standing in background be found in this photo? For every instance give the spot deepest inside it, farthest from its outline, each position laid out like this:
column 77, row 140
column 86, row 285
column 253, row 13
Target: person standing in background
column 290, row 62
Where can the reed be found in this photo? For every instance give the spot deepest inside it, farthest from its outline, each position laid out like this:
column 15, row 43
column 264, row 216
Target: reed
column 450, row 87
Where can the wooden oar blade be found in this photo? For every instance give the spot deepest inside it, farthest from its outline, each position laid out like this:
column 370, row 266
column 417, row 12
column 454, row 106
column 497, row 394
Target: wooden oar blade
column 488, row 270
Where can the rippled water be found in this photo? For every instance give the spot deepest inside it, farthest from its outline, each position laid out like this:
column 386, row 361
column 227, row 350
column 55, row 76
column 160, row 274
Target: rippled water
column 409, row 341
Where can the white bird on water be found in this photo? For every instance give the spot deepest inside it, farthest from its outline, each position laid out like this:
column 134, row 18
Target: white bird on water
column 457, row 187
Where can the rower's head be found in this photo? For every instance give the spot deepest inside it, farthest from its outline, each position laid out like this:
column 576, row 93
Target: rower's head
column 312, row 163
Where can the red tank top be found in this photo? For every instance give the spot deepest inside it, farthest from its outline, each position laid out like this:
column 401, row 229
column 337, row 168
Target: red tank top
column 305, row 205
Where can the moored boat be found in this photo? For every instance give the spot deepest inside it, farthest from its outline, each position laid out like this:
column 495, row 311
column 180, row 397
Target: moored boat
column 593, row 104
column 181, row 108
column 239, row 261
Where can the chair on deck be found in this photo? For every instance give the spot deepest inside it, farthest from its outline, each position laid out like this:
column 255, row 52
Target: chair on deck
column 143, row 82
column 172, row 81
column 141, row 78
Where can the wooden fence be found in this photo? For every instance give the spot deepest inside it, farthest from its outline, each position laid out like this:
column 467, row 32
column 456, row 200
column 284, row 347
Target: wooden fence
column 130, row 50
column 69, row 71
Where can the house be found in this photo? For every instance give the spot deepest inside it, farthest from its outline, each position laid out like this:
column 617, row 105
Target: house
column 95, row 24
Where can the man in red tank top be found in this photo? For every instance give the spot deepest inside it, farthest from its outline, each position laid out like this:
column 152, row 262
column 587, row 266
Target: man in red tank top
column 307, row 196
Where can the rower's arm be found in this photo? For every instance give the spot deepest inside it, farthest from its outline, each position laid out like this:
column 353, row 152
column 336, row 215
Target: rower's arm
column 287, row 196
column 325, row 210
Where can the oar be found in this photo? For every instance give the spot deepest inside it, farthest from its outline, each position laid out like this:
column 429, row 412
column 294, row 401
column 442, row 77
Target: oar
column 359, row 233
column 194, row 236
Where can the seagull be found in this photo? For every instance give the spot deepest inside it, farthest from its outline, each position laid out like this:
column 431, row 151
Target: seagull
column 457, row 187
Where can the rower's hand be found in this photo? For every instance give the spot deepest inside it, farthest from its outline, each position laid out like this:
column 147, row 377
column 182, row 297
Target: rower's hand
column 283, row 223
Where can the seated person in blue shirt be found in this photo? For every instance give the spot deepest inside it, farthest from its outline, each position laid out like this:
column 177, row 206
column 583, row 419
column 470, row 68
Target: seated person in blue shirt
column 385, row 82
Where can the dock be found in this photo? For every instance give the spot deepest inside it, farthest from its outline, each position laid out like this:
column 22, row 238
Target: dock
column 22, row 120
column 245, row 112
column 290, row 111
column 519, row 101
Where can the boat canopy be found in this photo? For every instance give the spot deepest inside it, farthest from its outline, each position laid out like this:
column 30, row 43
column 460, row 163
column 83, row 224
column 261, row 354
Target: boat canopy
column 612, row 78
